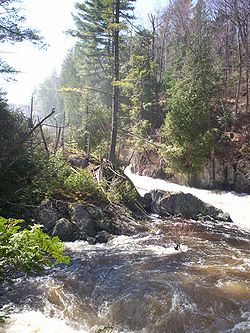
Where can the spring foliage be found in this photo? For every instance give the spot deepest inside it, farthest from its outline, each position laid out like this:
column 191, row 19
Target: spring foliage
column 26, row 251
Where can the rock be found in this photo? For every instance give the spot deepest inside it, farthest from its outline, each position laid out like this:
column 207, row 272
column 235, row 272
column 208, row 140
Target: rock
column 47, row 215
column 186, row 204
column 79, row 212
column 79, row 221
column 103, row 237
column 65, row 230
column 95, row 212
column 224, row 217
column 79, row 162
column 82, row 218
column 121, row 222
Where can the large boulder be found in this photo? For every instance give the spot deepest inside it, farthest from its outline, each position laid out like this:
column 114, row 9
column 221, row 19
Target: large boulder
column 167, row 203
column 85, row 222
column 49, row 212
column 66, row 230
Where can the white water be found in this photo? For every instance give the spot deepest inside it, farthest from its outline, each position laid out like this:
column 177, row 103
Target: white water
column 236, row 204
column 36, row 322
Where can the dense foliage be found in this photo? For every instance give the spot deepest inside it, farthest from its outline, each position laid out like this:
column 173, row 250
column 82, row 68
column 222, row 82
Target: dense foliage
column 27, row 175
column 182, row 81
column 26, row 251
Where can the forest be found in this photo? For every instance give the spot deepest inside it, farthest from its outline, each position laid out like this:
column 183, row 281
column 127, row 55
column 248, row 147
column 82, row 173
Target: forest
column 177, row 89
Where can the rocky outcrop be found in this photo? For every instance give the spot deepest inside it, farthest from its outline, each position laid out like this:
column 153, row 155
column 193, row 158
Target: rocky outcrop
column 78, row 221
column 185, row 204
column 228, row 171
column 149, row 163
column 227, row 174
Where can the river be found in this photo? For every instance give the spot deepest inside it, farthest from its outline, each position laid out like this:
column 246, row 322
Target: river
column 141, row 284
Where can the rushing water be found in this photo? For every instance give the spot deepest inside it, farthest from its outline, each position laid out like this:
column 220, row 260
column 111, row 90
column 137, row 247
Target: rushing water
column 141, row 284
column 236, row 204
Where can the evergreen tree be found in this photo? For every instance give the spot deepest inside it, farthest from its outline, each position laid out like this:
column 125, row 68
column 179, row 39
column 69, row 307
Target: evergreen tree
column 48, row 96
column 13, row 30
column 187, row 129
column 141, row 83
column 98, row 27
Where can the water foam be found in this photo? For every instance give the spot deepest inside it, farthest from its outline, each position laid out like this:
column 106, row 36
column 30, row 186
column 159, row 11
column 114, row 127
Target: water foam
column 236, row 204
column 36, row 322
column 128, row 244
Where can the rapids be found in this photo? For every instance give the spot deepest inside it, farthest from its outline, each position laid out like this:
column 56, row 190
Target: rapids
column 141, row 284
column 236, row 204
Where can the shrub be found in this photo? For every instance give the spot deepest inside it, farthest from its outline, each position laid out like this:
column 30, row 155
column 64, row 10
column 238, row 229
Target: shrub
column 122, row 191
column 82, row 184
column 26, row 251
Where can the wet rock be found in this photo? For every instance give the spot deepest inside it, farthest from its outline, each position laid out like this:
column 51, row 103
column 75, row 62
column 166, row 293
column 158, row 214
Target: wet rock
column 167, row 203
column 79, row 221
column 121, row 222
column 65, row 230
column 103, row 237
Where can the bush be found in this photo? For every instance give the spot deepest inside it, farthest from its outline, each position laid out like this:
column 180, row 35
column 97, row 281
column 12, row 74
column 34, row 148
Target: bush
column 15, row 154
column 26, row 251
column 47, row 176
column 27, row 174
column 83, row 186
column 122, row 191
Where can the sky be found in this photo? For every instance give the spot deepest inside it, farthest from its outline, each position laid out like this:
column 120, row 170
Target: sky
column 51, row 18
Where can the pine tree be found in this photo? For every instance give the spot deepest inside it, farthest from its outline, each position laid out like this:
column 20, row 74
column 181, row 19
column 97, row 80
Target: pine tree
column 187, row 129
column 98, row 28
column 13, row 30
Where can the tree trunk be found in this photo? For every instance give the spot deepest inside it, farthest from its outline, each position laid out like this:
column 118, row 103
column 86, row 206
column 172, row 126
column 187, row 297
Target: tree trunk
column 247, row 88
column 239, row 79
column 115, row 97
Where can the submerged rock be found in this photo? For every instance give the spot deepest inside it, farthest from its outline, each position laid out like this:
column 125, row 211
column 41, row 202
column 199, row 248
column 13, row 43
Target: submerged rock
column 167, row 203
column 103, row 236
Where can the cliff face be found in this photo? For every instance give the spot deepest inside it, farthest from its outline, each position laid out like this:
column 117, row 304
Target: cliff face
column 229, row 170
column 227, row 174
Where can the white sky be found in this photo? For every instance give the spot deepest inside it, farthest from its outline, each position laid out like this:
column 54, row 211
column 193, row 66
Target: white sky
column 52, row 18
